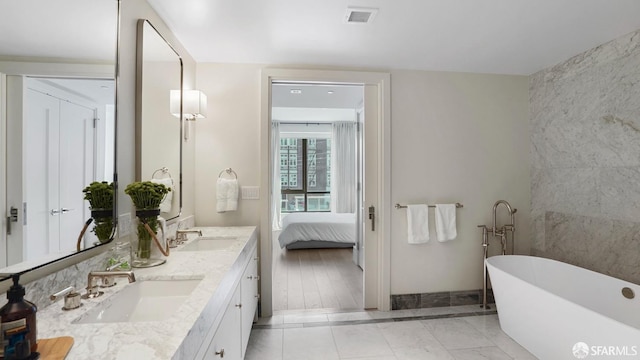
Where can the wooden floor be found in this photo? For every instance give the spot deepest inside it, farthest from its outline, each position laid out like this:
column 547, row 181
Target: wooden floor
column 316, row 279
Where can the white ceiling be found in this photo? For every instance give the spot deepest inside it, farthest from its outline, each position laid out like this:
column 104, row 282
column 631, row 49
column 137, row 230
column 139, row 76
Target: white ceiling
column 485, row 36
column 317, row 96
column 69, row 29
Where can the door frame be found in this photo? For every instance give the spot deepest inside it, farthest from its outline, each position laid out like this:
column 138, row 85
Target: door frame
column 383, row 83
column 3, row 172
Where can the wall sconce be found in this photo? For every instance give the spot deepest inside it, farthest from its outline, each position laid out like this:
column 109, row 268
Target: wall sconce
column 194, row 103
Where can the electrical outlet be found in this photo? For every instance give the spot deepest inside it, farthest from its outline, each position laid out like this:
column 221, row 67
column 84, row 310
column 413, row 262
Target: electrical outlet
column 124, row 224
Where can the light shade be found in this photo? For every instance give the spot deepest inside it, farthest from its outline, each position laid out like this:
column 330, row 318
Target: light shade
column 194, row 104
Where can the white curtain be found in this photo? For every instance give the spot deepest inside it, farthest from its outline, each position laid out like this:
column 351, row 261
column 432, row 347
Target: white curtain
column 343, row 167
column 275, row 175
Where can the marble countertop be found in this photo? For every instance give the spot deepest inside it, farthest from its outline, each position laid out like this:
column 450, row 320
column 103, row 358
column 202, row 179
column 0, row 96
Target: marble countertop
column 178, row 337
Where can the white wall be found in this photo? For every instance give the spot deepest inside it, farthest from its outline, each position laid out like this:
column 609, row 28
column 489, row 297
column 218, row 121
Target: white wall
column 455, row 137
column 228, row 137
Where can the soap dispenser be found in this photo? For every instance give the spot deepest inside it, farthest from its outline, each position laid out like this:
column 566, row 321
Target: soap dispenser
column 18, row 325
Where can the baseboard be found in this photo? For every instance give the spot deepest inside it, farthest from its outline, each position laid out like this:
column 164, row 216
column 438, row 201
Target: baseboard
column 439, row 299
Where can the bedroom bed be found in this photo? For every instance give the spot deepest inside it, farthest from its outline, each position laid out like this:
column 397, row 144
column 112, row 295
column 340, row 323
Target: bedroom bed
column 311, row 230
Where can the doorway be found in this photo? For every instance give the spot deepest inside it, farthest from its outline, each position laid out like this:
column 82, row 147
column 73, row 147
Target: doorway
column 375, row 190
column 316, row 195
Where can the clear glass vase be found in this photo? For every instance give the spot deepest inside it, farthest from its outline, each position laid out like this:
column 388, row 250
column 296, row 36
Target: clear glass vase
column 103, row 221
column 148, row 245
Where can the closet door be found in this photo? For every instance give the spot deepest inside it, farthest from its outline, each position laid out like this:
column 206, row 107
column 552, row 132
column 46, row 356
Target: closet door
column 76, row 158
column 59, row 148
column 40, row 147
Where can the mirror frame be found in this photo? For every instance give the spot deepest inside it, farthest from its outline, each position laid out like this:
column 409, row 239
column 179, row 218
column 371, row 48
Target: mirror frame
column 8, row 276
column 139, row 89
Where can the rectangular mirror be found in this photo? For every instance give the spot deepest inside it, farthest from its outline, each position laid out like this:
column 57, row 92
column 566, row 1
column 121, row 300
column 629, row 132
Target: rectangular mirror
column 158, row 131
column 58, row 119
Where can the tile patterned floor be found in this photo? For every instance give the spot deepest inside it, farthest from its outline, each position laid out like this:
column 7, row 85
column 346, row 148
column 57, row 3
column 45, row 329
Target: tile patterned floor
column 463, row 333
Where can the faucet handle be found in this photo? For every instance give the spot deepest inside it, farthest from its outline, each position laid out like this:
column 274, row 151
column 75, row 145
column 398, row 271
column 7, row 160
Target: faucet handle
column 71, row 298
column 172, row 241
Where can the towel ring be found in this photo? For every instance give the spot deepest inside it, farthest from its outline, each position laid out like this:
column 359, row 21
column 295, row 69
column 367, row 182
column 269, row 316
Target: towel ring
column 229, row 171
column 163, row 171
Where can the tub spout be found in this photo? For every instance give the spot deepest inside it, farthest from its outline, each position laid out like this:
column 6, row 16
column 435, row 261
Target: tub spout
column 511, row 211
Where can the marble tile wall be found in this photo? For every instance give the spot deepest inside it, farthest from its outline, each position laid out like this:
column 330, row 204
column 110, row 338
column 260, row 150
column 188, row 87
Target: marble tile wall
column 585, row 151
column 588, row 242
column 38, row 291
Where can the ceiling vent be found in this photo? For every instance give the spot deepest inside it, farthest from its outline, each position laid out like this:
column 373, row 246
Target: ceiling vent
column 358, row 15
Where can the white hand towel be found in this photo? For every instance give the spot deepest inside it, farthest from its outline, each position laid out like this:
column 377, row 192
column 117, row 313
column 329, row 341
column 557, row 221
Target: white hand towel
column 232, row 195
column 167, row 201
column 446, row 222
column 226, row 195
column 221, row 195
column 418, row 223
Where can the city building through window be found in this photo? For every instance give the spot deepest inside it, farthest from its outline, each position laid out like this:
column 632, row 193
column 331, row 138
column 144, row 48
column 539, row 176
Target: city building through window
column 305, row 174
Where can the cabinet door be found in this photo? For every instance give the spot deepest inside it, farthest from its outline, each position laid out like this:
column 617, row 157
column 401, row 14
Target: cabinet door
column 249, row 290
column 226, row 343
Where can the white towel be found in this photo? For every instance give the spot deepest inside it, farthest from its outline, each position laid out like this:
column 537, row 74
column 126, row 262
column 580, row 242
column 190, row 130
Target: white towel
column 226, row 195
column 167, row 201
column 446, row 222
column 418, row 222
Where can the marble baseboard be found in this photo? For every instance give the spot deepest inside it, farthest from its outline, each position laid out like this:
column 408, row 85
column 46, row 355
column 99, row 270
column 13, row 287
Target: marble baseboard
column 439, row 299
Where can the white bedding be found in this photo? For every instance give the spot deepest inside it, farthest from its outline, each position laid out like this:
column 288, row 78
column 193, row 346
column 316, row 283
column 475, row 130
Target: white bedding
column 319, row 226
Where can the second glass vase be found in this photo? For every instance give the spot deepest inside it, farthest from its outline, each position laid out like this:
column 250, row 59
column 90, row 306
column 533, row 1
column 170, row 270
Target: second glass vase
column 148, row 245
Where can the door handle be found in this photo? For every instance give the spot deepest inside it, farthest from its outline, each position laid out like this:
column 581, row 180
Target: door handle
column 54, row 212
column 65, row 210
column 372, row 217
column 13, row 217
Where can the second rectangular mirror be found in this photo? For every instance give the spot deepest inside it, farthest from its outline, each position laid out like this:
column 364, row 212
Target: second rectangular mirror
column 158, row 132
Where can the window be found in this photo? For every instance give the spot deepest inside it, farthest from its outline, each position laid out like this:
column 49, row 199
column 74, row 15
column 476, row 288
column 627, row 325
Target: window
column 306, row 184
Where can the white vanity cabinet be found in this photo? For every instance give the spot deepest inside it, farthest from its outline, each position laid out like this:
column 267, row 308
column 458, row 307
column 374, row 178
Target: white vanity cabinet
column 249, row 295
column 232, row 335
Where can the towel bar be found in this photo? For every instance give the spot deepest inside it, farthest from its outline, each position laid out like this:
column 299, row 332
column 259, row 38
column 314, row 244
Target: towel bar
column 398, row 206
column 163, row 171
column 228, row 171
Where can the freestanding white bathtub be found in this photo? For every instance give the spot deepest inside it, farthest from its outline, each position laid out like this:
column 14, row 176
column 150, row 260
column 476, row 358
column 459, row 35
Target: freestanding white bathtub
column 549, row 306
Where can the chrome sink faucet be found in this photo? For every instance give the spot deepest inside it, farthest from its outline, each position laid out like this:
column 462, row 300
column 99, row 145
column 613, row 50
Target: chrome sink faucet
column 181, row 235
column 106, row 278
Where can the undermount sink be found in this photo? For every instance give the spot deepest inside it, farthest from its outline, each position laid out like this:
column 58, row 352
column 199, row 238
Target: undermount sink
column 146, row 300
column 208, row 243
